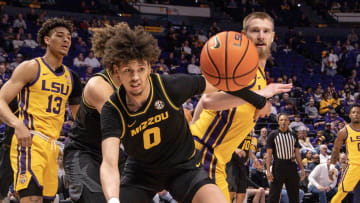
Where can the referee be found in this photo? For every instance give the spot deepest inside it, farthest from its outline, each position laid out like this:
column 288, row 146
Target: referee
column 284, row 145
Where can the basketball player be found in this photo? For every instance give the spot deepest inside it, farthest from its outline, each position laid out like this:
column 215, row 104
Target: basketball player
column 218, row 133
column 238, row 171
column 146, row 114
column 350, row 135
column 43, row 85
column 82, row 154
column 6, row 173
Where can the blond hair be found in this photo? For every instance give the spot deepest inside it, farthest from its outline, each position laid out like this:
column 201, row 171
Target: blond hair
column 253, row 15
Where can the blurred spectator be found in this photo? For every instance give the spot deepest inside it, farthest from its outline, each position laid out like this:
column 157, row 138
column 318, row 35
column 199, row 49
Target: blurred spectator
column 284, row 99
column 214, row 28
column 262, row 137
column 315, row 162
column 289, row 109
column 192, row 68
column 202, row 36
column 297, row 123
column 186, row 48
column 19, row 22
column 318, row 94
column 171, row 61
column 80, row 45
column 348, row 45
column 18, row 60
column 304, row 141
column 29, row 42
column 5, row 24
column 308, row 158
column 323, row 153
column 326, row 103
column 337, row 48
column 79, row 61
column 161, row 67
column 353, row 37
column 332, row 60
column 32, row 16
column 17, row 42
column 92, row 61
column 319, row 139
column 85, row 77
column 310, row 109
column 321, row 183
column 85, row 8
column 273, row 110
column 8, row 37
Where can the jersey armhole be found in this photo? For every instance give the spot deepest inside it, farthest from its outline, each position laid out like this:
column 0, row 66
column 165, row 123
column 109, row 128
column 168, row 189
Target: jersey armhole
column 166, row 95
column 122, row 118
column 37, row 76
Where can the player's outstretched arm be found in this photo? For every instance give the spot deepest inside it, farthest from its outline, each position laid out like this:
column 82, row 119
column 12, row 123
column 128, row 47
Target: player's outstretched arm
column 25, row 73
column 222, row 101
column 109, row 171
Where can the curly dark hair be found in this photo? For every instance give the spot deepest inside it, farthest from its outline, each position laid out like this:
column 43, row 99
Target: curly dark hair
column 119, row 44
column 50, row 24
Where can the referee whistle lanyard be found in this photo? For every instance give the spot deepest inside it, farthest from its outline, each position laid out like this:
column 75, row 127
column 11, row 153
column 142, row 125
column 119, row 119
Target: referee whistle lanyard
column 54, row 143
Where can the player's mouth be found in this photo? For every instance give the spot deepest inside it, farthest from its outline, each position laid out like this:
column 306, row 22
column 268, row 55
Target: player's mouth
column 65, row 47
column 135, row 86
column 260, row 44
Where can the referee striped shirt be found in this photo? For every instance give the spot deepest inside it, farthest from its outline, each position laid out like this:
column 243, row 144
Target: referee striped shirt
column 283, row 144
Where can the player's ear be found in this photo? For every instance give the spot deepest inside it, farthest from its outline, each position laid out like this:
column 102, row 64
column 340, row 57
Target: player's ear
column 47, row 40
column 115, row 68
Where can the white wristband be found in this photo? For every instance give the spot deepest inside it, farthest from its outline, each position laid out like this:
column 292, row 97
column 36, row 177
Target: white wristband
column 113, row 200
column 332, row 166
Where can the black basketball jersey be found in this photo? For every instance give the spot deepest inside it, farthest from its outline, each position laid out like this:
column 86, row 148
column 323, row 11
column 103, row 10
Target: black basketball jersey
column 158, row 133
column 86, row 129
column 246, row 146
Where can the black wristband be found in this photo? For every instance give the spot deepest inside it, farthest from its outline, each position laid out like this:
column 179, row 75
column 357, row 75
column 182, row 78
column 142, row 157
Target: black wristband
column 255, row 99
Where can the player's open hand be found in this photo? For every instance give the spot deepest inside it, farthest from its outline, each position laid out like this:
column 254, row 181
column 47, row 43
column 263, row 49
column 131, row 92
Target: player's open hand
column 265, row 111
column 275, row 88
column 22, row 134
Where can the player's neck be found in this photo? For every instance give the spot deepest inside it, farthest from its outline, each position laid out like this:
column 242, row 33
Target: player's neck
column 53, row 61
column 262, row 63
column 115, row 78
column 356, row 126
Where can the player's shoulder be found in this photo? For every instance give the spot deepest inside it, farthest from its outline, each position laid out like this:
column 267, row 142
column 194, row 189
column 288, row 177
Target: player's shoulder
column 30, row 65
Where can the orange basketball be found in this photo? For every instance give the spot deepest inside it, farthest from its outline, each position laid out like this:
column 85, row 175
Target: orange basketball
column 229, row 61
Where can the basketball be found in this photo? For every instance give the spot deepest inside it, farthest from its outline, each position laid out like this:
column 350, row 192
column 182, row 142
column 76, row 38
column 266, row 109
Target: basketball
column 229, row 61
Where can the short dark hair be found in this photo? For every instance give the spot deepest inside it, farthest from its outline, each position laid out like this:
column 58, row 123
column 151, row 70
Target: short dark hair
column 49, row 25
column 353, row 106
column 282, row 114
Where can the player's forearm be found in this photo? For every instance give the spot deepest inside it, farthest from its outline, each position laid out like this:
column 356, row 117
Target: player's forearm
column 335, row 154
column 7, row 116
column 221, row 101
column 110, row 181
column 252, row 155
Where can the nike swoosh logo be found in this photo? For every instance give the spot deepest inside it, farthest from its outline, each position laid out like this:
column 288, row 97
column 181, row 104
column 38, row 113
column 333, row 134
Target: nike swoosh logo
column 217, row 43
column 44, row 73
column 131, row 125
